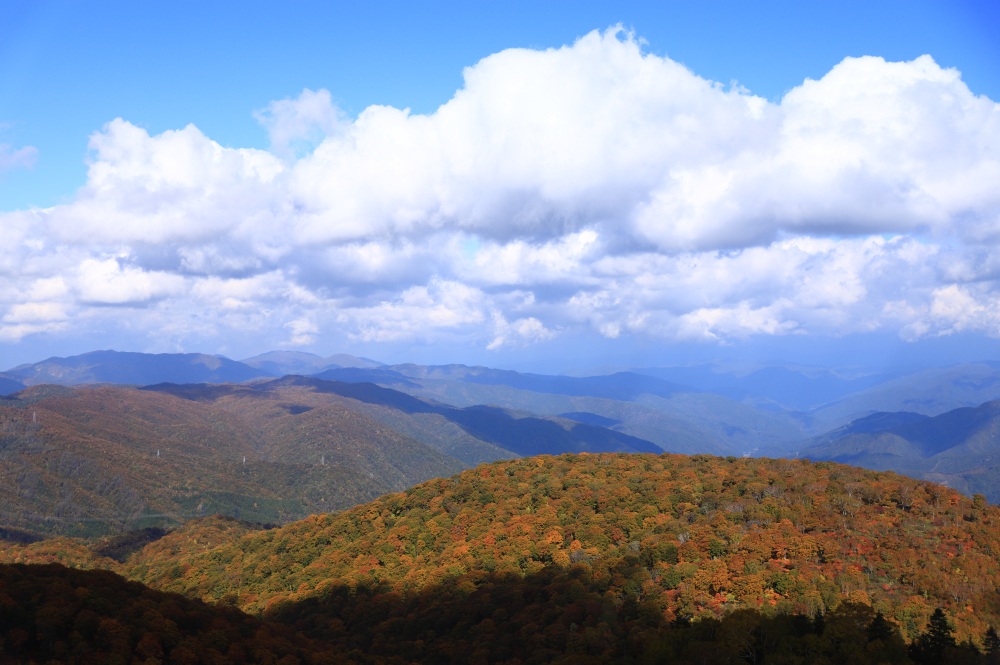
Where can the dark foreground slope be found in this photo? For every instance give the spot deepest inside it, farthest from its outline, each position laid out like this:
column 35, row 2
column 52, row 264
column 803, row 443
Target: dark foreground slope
column 52, row 614
column 661, row 538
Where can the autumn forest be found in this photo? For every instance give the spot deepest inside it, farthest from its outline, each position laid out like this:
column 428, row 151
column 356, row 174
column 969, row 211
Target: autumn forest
column 410, row 514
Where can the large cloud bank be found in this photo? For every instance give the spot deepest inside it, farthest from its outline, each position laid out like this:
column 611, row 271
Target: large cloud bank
column 594, row 186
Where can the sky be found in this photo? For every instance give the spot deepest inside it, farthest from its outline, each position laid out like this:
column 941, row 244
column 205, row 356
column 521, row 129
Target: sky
column 553, row 186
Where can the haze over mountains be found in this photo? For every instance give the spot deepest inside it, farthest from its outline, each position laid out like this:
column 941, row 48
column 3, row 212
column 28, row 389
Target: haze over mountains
column 348, row 429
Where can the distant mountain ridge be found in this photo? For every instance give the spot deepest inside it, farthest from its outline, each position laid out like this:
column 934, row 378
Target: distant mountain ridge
column 625, row 386
column 281, row 363
column 519, row 434
column 139, row 369
column 959, row 448
column 795, row 388
column 10, row 385
column 479, row 413
column 129, row 368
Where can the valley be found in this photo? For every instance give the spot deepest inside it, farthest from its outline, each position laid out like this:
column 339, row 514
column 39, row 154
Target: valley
column 413, row 513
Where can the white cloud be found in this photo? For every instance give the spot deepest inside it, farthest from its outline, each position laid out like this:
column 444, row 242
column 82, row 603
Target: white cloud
column 437, row 311
column 35, row 313
column 521, row 332
column 13, row 158
column 594, row 186
column 296, row 125
column 109, row 282
column 303, row 332
column 177, row 187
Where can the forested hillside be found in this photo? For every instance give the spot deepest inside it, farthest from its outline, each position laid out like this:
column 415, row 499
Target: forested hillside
column 92, row 460
column 614, row 557
column 52, row 614
column 97, row 460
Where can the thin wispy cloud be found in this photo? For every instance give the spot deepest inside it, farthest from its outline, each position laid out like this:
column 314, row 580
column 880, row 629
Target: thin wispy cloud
column 17, row 158
column 594, row 187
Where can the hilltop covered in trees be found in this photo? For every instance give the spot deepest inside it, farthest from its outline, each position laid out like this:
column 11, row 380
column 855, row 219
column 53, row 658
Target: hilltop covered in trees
column 611, row 555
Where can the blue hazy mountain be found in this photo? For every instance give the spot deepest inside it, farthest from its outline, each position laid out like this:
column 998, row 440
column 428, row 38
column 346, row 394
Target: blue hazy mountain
column 675, row 417
column 10, row 385
column 959, row 448
column 791, row 387
column 520, row 434
column 282, row 363
column 122, row 367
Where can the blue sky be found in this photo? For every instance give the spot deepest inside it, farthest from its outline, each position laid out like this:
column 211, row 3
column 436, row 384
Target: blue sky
column 236, row 177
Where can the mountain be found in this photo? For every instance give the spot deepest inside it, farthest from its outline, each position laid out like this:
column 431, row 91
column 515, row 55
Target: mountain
column 699, row 409
column 9, row 385
column 675, row 418
column 784, row 387
column 624, row 386
column 381, row 375
column 134, row 369
column 90, row 460
column 930, row 392
column 280, row 363
column 959, row 448
column 516, row 433
column 94, row 460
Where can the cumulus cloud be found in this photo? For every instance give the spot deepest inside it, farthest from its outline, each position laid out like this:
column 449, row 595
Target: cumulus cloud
column 419, row 312
column 520, row 332
column 303, row 332
column 594, row 186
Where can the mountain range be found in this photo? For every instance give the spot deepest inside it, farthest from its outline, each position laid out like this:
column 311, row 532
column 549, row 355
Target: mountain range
column 959, row 448
column 327, row 510
column 91, row 459
column 462, row 416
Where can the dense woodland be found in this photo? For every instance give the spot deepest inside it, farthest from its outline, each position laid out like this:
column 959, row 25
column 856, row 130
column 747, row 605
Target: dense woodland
column 53, row 614
column 98, row 460
column 619, row 558
column 94, row 461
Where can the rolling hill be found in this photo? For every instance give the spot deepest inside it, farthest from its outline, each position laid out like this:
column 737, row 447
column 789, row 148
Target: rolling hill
column 102, row 459
column 707, row 535
column 615, row 558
